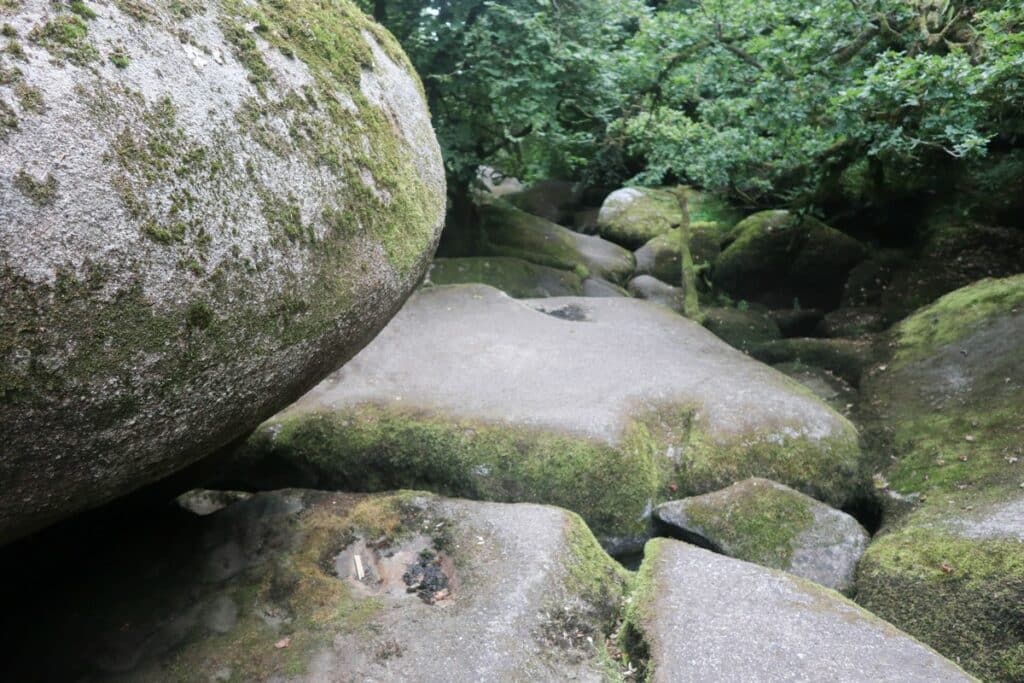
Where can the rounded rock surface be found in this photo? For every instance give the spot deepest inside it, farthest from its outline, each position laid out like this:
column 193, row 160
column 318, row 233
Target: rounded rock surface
column 192, row 232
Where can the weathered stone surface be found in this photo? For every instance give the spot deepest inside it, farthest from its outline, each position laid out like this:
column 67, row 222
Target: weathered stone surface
column 945, row 417
column 661, row 258
column 778, row 258
column 597, row 405
column 269, row 589
column 552, row 199
column 846, row 358
column 852, row 322
column 632, row 216
column 826, row 385
column 595, row 286
column 708, row 617
column 656, row 291
column 772, row 525
column 507, row 231
column 518, row 278
column 192, row 232
column 739, row 328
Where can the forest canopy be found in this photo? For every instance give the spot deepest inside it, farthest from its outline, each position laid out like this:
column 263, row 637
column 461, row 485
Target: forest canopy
column 791, row 101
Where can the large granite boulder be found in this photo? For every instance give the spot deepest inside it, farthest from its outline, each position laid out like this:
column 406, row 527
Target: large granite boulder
column 311, row 586
column 518, row 278
column 507, row 231
column 946, row 417
column 632, row 216
column 772, row 525
column 777, row 258
column 599, row 405
column 706, row 617
column 202, row 212
column 661, row 257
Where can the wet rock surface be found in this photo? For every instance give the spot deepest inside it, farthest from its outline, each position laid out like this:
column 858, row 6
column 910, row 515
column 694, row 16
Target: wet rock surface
column 704, row 616
column 317, row 586
column 760, row 521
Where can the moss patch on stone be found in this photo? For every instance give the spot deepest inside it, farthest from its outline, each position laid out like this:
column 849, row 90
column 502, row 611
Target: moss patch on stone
column 956, row 314
column 39, row 192
column 654, row 212
column 759, row 524
column 66, row 37
column 964, row 597
column 373, row 449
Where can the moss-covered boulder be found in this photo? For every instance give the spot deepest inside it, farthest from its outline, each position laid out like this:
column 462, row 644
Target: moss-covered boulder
column 632, row 216
column 772, row 525
column 508, row 231
column 309, row 586
column 742, row 329
column 517, row 278
column 946, row 411
column 778, row 257
column 469, row 392
column 661, row 257
column 205, row 208
column 700, row 616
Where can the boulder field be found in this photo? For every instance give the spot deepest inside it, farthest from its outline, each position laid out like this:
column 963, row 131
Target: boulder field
column 192, row 232
column 600, row 405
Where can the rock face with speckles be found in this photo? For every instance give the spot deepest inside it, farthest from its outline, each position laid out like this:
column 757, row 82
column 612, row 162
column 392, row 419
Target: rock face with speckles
column 706, row 617
column 599, row 405
column 192, row 232
column 318, row 587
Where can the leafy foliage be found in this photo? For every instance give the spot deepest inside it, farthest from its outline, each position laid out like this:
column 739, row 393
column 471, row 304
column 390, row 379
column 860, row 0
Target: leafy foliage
column 775, row 101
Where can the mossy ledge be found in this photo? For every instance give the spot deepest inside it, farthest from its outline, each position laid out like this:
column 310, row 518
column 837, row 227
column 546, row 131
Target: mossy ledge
column 964, row 597
column 659, row 454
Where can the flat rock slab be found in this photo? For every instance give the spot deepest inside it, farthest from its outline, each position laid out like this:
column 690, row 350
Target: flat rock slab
column 764, row 522
column 593, row 404
column 707, row 617
column 318, row 586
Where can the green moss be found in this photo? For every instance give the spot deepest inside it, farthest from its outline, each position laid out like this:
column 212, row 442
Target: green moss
column 710, row 210
column 758, row 523
column 66, row 37
column 828, row 469
column 119, row 58
column 375, row 449
column 30, row 98
column 39, row 192
column 964, row 597
column 957, row 314
column 81, row 9
column 8, row 31
column 582, row 272
column 199, row 315
column 654, row 213
column 643, row 596
column 515, row 277
column 594, row 576
column 139, row 10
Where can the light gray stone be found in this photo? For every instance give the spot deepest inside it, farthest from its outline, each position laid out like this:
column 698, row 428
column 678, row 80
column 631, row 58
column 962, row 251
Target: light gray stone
column 708, row 617
column 597, row 287
column 658, row 292
column 476, row 393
